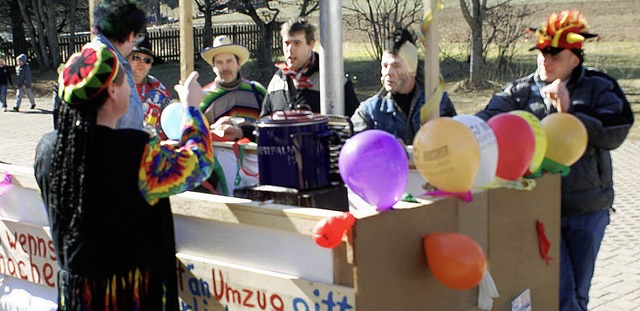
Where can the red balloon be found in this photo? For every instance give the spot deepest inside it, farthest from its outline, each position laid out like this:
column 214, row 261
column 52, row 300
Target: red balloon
column 516, row 144
column 455, row 259
column 328, row 231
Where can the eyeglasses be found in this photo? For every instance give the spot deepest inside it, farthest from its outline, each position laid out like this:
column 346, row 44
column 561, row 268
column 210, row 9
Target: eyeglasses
column 137, row 58
column 140, row 37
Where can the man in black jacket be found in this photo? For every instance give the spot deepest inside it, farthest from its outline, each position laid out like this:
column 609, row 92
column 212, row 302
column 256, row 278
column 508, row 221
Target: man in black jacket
column 562, row 85
column 297, row 80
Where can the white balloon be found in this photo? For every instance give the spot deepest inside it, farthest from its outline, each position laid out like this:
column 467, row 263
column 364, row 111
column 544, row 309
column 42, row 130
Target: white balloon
column 488, row 148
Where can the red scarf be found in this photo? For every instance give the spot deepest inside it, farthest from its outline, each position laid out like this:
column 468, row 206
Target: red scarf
column 300, row 80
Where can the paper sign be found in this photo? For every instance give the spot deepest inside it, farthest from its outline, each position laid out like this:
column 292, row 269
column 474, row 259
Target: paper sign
column 522, row 302
column 27, row 253
column 206, row 284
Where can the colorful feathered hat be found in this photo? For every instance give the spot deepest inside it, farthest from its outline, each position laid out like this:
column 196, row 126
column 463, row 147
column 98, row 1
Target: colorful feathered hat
column 87, row 73
column 564, row 30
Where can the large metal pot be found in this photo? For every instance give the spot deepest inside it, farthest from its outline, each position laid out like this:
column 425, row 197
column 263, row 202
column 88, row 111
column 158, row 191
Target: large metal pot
column 293, row 149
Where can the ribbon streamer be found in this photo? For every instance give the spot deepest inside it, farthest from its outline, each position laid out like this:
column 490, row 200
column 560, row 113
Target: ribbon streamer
column 465, row 196
column 435, row 97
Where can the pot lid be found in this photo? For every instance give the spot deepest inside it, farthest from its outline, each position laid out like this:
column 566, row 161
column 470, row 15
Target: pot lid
column 293, row 117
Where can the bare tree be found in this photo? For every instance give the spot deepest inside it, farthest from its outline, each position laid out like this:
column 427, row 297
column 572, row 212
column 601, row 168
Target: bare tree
column 206, row 7
column 504, row 26
column 306, row 7
column 474, row 13
column 379, row 18
column 48, row 12
column 32, row 32
column 12, row 20
column 504, row 22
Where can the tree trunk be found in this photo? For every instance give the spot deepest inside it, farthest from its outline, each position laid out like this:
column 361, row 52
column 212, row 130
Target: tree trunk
column 32, row 32
column 475, row 69
column 38, row 6
column 20, row 44
column 265, row 45
column 474, row 17
column 71, row 48
column 207, row 37
column 54, row 47
column 156, row 12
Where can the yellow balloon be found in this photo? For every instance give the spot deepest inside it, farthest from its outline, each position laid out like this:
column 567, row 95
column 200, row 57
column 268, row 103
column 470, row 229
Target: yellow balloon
column 447, row 155
column 540, row 137
column 566, row 138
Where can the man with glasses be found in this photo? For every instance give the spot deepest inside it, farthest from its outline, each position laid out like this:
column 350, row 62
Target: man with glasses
column 120, row 25
column 154, row 95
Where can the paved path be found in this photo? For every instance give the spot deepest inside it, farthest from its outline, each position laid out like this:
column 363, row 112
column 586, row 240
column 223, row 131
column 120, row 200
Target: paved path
column 616, row 285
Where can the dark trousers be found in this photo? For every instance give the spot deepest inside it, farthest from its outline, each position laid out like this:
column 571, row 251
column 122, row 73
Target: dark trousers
column 580, row 240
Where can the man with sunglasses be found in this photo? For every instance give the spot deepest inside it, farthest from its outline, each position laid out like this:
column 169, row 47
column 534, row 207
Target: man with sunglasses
column 120, row 25
column 154, row 95
column 562, row 85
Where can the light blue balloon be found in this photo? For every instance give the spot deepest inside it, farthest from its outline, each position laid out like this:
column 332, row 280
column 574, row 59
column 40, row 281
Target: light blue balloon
column 170, row 120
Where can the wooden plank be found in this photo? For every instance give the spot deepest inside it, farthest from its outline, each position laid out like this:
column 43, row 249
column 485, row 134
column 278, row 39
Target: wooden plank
column 186, row 38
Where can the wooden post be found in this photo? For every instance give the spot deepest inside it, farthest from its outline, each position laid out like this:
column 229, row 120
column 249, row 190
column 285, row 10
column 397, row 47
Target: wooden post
column 186, row 38
column 92, row 5
column 431, row 60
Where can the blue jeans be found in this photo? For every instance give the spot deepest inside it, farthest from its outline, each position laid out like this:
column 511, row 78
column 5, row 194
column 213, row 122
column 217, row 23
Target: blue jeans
column 3, row 95
column 21, row 91
column 580, row 241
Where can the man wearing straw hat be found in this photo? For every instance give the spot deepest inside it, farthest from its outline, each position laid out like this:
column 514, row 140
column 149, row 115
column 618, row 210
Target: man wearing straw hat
column 231, row 103
column 562, row 85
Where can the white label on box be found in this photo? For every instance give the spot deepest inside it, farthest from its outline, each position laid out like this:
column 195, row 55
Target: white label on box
column 522, row 302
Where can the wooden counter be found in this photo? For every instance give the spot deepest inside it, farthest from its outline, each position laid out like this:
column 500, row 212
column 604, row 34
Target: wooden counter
column 246, row 255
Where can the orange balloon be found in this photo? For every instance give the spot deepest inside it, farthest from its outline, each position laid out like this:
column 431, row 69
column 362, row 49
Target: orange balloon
column 447, row 155
column 455, row 259
column 566, row 138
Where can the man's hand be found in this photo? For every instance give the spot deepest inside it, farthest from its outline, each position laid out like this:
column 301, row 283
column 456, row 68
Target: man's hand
column 558, row 93
column 226, row 129
column 190, row 93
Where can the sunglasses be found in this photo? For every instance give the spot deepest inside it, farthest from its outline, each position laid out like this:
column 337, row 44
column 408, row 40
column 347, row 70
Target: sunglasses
column 140, row 37
column 146, row 60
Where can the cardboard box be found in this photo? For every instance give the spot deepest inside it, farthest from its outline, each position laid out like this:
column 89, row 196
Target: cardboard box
column 514, row 257
column 390, row 267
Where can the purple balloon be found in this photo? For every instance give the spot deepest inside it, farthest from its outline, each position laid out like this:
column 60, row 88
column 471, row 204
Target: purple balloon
column 375, row 166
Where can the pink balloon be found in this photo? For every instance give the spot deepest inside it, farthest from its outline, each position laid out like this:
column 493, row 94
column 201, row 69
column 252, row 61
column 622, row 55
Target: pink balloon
column 516, row 144
column 375, row 166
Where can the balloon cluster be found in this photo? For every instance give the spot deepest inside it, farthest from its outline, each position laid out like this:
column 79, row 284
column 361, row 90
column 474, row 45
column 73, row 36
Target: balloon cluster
column 463, row 153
